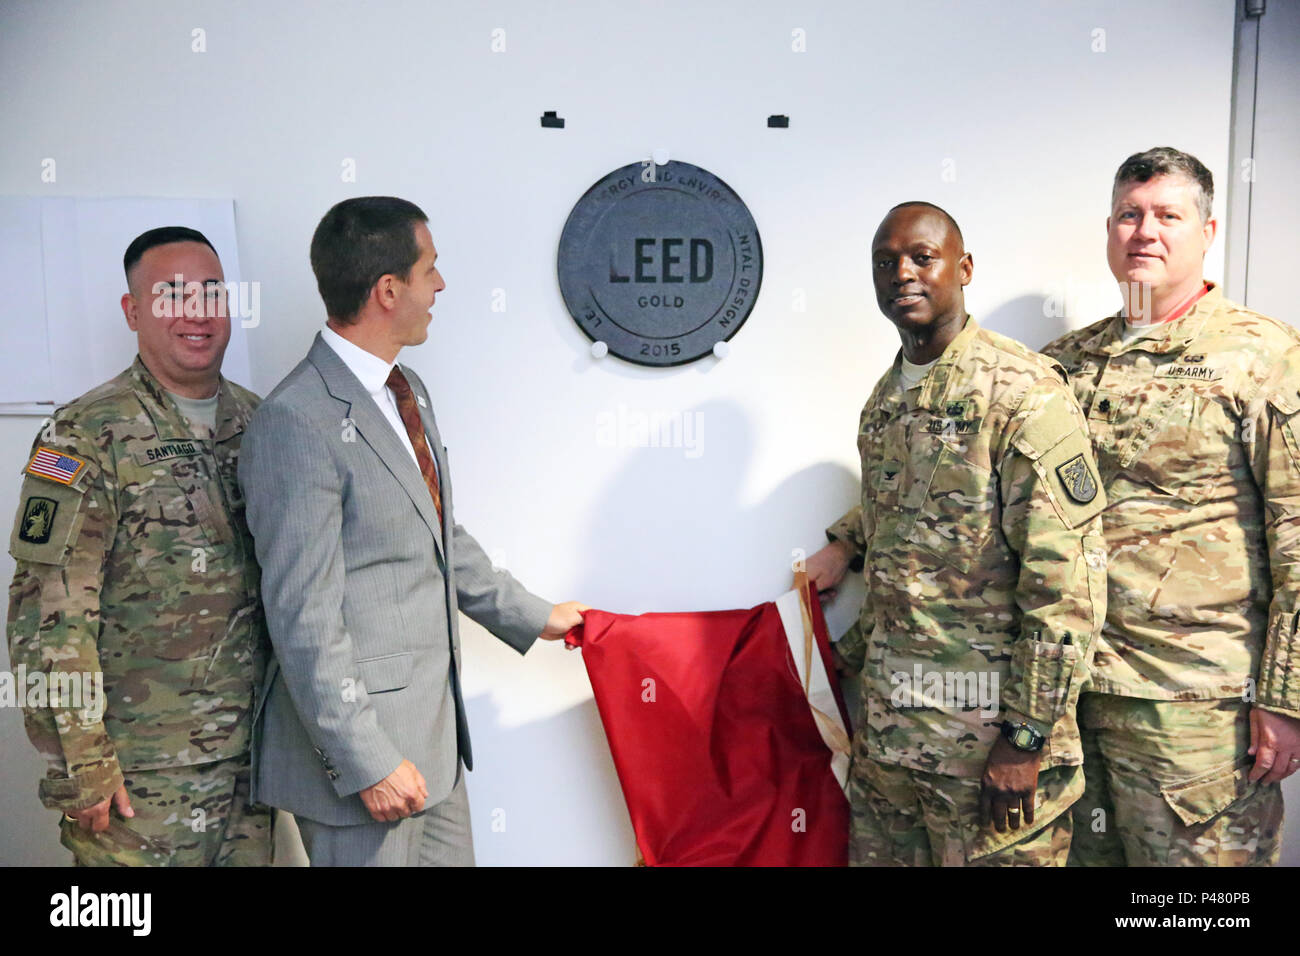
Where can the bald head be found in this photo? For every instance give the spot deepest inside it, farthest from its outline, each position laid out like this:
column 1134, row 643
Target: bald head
column 919, row 267
column 937, row 210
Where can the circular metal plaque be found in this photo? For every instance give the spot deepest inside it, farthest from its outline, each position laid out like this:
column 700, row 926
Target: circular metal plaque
column 660, row 263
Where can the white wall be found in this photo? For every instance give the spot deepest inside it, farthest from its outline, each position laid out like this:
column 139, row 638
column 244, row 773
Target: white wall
column 1268, row 233
column 1002, row 112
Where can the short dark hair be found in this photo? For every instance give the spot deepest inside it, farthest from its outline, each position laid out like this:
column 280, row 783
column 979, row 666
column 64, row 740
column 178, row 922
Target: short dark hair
column 1167, row 161
column 159, row 237
column 940, row 210
column 356, row 243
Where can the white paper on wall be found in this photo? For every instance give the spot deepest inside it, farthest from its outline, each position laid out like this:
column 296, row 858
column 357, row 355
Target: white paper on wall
column 61, row 325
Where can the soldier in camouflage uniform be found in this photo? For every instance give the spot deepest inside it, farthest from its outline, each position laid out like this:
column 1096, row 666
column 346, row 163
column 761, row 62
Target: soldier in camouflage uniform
column 1192, row 402
column 134, row 563
column 985, row 573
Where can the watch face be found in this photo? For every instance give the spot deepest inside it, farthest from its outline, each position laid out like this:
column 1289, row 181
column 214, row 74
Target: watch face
column 1023, row 738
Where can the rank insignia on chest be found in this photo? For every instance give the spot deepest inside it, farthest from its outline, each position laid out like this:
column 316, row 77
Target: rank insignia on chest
column 889, row 472
column 1105, row 407
column 38, row 519
column 55, row 465
column 1077, row 480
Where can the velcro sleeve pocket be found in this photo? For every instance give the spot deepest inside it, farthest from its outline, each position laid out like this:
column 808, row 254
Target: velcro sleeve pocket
column 1055, row 440
column 1279, row 667
column 1048, row 669
column 1069, row 474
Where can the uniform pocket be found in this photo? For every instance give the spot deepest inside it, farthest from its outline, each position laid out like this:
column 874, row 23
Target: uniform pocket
column 119, row 845
column 1208, row 794
column 1058, row 789
column 1182, row 446
column 1048, row 670
column 952, row 517
column 173, row 530
column 390, row 672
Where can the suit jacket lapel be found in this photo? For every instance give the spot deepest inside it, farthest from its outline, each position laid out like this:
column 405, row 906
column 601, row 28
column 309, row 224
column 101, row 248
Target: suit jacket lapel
column 377, row 432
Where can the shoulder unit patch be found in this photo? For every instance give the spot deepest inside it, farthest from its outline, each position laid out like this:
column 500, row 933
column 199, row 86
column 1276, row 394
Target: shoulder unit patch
column 37, row 520
column 1077, row 480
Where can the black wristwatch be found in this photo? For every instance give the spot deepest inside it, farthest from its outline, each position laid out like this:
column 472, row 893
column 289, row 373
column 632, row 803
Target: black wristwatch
column 1022, row 736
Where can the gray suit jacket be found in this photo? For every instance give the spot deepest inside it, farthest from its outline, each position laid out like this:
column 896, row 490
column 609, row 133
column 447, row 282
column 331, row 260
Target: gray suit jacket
column 361, row 586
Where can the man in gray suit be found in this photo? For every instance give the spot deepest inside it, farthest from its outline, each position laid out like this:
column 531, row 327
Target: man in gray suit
column 362, row 729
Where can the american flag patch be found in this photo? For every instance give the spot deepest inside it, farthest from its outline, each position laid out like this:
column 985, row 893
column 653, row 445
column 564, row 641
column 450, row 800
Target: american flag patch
column 55, row 465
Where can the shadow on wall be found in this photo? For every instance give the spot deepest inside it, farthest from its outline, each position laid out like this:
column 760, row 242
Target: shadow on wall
column 30, row 834
column 679, row 527
column 545, row 793
column 673, row 530
column 1032, row 320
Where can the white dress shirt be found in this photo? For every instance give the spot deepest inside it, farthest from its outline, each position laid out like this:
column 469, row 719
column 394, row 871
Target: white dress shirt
column 372, row 372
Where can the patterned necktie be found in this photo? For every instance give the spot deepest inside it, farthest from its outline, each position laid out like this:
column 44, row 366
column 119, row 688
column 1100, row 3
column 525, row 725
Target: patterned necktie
column 415, row 431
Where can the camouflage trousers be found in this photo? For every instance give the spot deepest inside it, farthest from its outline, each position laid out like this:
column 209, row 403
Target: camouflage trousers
column 903, row 817
column 1166, row 786
column 184, row 816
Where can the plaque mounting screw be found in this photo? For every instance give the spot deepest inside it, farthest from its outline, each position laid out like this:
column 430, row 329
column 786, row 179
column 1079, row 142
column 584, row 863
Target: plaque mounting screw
column 599, row 349
column 721, row 349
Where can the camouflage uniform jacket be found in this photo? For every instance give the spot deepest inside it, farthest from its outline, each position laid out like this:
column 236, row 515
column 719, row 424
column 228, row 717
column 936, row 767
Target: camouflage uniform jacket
column 983, row 556
column 1198, row 441
column 134, row 561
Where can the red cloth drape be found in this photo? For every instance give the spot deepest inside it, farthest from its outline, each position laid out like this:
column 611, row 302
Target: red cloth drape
column 718, row 754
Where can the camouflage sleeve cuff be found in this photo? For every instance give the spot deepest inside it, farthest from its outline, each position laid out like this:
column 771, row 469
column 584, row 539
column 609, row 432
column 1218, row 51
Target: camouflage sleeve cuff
column 1015, row 717
column 853, row 646
column 70, row 794
column 1278, row 687
column 1038, row 687
column 848, row 531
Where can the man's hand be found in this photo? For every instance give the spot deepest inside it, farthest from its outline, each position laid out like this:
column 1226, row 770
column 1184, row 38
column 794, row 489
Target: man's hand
column 1009, row 783
column 564, row 617
column 1275, row 745
column 826, row 568
column 398, row 795
column 95, row 819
